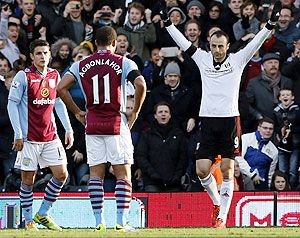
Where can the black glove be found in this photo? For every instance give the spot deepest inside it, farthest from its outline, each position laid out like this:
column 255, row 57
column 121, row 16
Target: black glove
column 274, row 16
column 276, row 12
column 245, row 22
column 164, row 13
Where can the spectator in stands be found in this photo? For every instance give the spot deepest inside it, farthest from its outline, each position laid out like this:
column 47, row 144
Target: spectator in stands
column 124, row 49
column 4, row 67
column 180, row 97
column 291, row 69
column 231, row 14
column 161, row 152
column 89, row 9
column 9, row 34
column 280, row 182
column 287, row 30
column 178, row 18
column 139, row 32
column 70, row 24
column 32, row 22
column 262, row 91
column 149, row 67
column 7, row 156
column 191, row 76
column 195, row 10
column 259, row 155
column 21, row 42
column 287, row 130
column 248, row 24
column 50, row 10
column 274, row 45
column 212, row 16
column 106, row 17
column 61, row 50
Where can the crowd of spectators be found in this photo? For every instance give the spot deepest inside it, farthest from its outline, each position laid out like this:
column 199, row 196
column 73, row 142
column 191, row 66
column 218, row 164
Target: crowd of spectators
column 166, row 133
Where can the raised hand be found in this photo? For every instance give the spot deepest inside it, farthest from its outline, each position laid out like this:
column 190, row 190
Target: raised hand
column 245, row 22
column 164, row 13
column 276, row 12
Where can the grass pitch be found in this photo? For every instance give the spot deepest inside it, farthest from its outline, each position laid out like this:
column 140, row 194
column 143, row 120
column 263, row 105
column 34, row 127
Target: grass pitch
column 270, row 232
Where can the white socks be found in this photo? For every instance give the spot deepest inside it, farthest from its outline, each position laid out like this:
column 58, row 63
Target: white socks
column 209, row 183
column 226, row 194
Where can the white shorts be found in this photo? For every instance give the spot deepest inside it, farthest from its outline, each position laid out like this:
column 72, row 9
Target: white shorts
column 43, row 154
column 116, row 149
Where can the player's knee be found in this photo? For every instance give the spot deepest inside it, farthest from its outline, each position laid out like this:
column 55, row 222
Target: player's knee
column 62, row 177
column 202, row 173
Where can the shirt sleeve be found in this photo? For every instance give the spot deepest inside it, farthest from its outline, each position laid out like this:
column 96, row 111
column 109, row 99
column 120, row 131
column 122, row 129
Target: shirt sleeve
column 62, row 113
column 74, row 70
column 13, row 112
column 18, row 87
column 244, row 55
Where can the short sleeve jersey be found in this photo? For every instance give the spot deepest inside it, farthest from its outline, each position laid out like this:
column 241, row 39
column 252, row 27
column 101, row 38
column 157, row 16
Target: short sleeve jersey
column 102, row 78
column 35, row 94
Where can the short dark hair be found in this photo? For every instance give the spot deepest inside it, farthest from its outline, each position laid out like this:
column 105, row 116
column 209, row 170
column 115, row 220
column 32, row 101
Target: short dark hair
column 219, row 34
column 105, row 35
column 265, row 119
column 12, row 24
column 162, row 103
column 37, row 43
column 287, row 89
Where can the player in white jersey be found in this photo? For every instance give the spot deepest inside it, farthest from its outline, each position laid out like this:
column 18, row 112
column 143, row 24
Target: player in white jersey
column 221, row 76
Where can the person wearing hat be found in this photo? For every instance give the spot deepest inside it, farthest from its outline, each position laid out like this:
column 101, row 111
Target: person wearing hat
column 179, row 96
column 262, row 92
column 195, row 9
column 178, row 18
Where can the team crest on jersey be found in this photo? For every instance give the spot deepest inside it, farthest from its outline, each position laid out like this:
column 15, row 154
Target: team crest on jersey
column 45, row 92
column 15, row 84
column 52, row 83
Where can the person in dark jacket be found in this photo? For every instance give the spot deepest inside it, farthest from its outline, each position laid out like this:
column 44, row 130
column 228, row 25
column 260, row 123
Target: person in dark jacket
column 7, row 155
column 287, row 129
column 262, row 92
column 180, row 97
column 161, row 153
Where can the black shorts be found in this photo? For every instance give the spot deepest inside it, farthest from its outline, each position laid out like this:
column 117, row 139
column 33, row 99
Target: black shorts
column 219, row 136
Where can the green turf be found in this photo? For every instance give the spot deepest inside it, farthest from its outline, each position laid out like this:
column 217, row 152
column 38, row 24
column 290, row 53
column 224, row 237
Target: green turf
column 283, row 232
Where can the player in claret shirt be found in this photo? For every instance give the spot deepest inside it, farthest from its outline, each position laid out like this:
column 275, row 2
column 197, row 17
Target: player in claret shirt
column 31, row 102
column 102, row 78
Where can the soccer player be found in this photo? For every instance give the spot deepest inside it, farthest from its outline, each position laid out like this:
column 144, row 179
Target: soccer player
column 31, row 101
column 221, row 76
column 102, row 78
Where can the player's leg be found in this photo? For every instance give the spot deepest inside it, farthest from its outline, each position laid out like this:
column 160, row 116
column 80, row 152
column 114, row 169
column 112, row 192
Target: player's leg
column 123, row 194
column 96, row 159
column 120, row 154
column 53, row 156
column 96, row 193
column 226, row 191
column 26, row 198
column 208, row 182
column 205, row 154
column 27, row 161
column 229, row 148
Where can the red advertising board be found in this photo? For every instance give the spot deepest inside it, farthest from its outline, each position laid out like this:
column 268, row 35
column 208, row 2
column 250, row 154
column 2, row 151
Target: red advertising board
column 194, row 209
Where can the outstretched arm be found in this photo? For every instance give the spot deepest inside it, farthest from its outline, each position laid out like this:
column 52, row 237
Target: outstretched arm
column 177, row 36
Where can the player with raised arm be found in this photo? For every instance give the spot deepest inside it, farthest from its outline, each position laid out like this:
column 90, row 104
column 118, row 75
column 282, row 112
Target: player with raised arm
column 102, row 78
column 31, row 101
column 221, row 75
